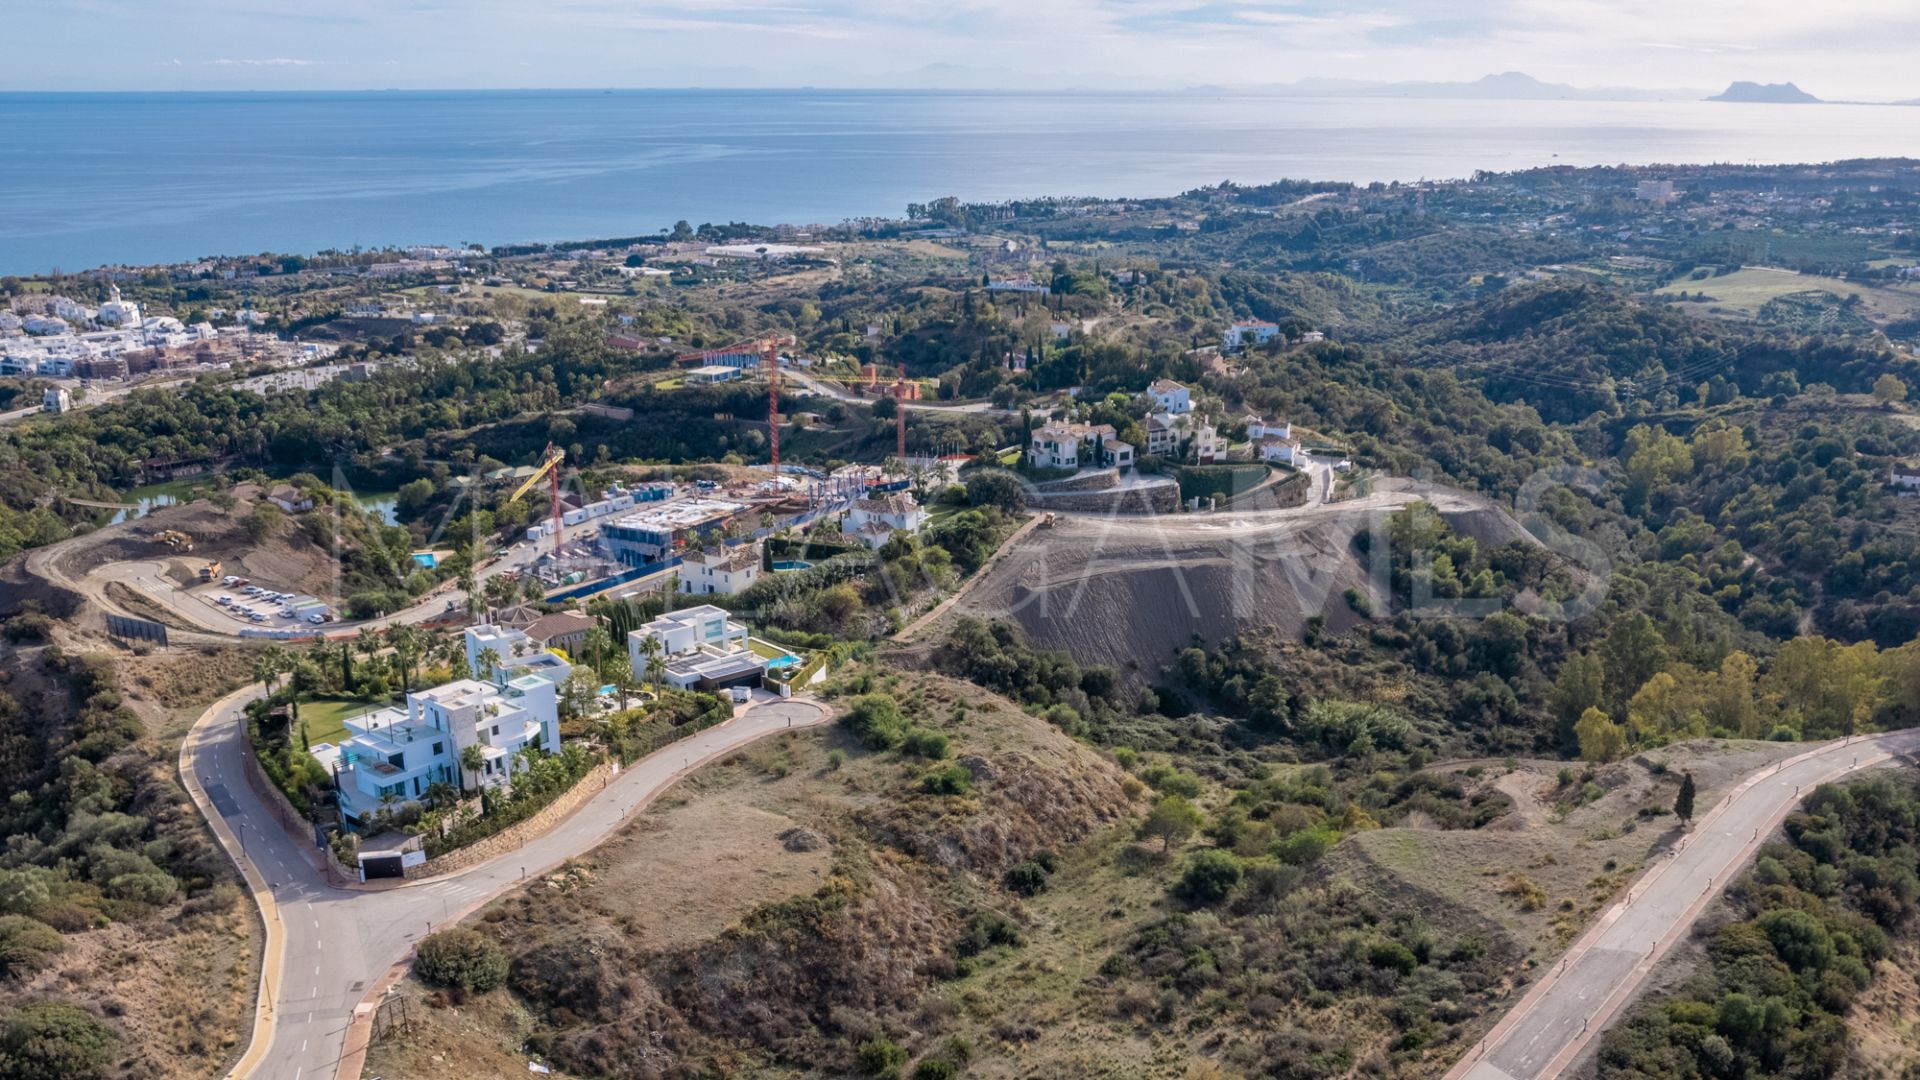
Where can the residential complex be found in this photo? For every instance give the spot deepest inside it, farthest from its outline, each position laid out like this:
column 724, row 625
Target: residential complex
column 650, row 535
column 395, row 754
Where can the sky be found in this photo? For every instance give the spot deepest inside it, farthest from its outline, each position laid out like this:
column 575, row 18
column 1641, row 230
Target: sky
column 1837, row 49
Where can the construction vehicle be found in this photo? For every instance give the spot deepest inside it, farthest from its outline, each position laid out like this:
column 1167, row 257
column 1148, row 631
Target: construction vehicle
column 210, row 571
column 176, row 540
column 1046, row 520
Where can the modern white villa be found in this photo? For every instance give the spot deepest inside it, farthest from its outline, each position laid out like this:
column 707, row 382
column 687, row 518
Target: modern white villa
column 394, row 755
column 703, row 648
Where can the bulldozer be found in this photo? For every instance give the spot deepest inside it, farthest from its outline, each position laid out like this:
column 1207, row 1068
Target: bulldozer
column 176, row 540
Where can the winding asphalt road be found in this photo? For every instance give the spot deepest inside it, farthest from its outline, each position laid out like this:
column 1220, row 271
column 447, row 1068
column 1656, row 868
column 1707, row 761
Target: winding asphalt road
column 1554, row 1023
column 330, row 947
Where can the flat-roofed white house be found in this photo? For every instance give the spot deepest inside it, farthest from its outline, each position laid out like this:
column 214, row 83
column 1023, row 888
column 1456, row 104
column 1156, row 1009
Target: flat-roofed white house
column 515, row 654
column 723, row 571
column 875, row 519
column 703, row 649
column 1172, row 398
column 394, row 755
column 1250, row 332
column 1905, row 477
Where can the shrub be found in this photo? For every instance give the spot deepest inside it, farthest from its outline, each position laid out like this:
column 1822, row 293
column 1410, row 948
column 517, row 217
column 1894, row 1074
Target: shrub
column 1168, row 780
column 46, row 1040
column 927, row 744
column 984, row 931
column 1210, row 876
column 461, row 958
column 26, row 944
column 1392, row 956
column 836, row 759
column 881, row 1056
column 1028, row 878
column 947, row 780
column 1305, row 846
column 876, row 721
column 934, row 1068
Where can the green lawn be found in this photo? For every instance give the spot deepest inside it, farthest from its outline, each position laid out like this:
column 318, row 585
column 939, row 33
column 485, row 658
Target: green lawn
column 766, row 649
column 324, row 719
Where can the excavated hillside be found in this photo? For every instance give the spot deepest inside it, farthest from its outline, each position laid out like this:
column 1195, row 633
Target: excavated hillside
column 1132, row 591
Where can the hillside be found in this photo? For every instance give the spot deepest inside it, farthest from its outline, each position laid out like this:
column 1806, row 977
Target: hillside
column 802, row 898
column 1130, row 592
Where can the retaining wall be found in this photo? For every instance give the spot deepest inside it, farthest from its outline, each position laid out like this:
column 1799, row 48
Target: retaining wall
column 518, row 834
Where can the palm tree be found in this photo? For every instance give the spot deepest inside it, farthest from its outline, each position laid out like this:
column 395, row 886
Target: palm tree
column 597, row 643
column 470, row 586
column 472, row 760
column 406, row 653
column 620, row 674
column 268, row 666
column 650, row 648
column 489, row 664
column 656, row 670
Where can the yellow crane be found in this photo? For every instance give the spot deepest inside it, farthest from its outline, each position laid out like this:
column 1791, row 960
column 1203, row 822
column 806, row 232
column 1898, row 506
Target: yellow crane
column 549, row 470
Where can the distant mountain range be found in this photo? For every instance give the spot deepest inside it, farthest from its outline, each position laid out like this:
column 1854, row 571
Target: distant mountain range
column 1767, row 94
column 1507, row 86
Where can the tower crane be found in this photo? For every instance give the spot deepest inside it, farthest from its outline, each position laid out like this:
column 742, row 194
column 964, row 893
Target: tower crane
column 550, row 471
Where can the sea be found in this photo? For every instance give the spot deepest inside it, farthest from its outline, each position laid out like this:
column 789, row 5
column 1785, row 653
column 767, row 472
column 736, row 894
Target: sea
column 138, row 178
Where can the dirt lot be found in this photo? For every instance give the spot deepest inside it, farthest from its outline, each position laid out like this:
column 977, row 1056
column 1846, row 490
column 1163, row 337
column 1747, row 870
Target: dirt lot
column 126, row 568
column 1130, row 591
column 1548, row 868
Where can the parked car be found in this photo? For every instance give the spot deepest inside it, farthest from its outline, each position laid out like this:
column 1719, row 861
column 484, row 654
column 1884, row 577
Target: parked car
column 316, row 619
column 223, row 600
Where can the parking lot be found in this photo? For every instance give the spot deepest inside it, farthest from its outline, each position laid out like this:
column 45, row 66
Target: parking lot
column 262, row 605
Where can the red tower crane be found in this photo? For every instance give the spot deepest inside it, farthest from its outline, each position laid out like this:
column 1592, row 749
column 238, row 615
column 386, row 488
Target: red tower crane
column 773, row 404
column 900, row 419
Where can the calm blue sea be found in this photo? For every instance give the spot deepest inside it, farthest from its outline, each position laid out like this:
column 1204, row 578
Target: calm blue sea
column 87, row 179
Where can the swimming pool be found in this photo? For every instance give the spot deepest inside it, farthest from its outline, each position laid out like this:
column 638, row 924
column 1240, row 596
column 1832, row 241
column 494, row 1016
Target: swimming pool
column 782, row 662
column 790, row 565
column 426, row 558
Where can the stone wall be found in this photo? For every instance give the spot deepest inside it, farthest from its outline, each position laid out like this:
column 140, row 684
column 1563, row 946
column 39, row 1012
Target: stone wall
column 1085, row 480
column 1135, row 499
column 513, row 836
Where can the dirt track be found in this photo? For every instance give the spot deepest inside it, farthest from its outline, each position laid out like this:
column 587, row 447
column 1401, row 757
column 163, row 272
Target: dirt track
column 1131, row 591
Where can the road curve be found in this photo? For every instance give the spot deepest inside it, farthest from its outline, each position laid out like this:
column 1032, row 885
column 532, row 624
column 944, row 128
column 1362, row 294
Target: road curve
column 1587, row 989
column 329, row 947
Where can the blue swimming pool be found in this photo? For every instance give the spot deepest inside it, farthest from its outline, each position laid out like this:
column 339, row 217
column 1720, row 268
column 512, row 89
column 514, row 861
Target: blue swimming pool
column 426, row 558
column 782, row 662
column 781, row 567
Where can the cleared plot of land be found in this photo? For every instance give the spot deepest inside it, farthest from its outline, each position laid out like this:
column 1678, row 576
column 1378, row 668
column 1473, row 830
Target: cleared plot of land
column 1132, row 590
column 1747, row 290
